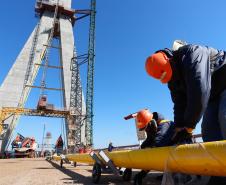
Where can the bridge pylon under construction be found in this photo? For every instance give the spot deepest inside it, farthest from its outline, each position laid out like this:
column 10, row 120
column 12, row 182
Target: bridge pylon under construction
column 56, row 21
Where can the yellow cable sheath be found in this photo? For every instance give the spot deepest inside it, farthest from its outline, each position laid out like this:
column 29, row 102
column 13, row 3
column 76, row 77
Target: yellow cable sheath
column 56, row 157
column 200, row 158
column 82, row 158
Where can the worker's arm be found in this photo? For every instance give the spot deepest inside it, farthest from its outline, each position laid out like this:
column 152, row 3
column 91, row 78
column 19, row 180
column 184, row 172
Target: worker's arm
column 150, row 130
column 197, row 77
column 178, row 97
column 164, row 134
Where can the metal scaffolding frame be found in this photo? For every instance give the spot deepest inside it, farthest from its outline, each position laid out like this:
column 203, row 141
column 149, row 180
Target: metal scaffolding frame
column 90, row 76
column 76, row 90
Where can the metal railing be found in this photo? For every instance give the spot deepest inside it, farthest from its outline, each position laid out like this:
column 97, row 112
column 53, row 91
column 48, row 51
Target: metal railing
column 137, row 146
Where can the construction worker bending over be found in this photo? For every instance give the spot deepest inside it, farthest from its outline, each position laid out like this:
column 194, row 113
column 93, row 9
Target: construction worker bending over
column 159, row 133
column 196, row 79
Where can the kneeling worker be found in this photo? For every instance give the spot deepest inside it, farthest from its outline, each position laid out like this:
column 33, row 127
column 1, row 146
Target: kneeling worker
column 159, row 133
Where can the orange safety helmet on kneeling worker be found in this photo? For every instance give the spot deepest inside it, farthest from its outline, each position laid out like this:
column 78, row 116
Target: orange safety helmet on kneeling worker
column 143, row 117
column 158, row 66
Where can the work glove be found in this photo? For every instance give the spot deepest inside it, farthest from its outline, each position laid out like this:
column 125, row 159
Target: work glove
column 182, row 136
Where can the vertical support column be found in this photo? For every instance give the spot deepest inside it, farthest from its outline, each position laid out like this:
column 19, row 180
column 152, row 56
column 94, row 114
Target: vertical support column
column 12, row 87
column 67, row 49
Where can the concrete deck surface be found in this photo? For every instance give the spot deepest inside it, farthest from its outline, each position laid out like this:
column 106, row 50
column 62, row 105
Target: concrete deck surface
column 38, row 171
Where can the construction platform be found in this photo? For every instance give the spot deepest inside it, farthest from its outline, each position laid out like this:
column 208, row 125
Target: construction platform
column 38, row 171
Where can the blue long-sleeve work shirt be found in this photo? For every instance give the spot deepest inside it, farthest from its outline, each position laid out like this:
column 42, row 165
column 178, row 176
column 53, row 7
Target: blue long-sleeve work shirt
column 159, row 136
column 199, row 75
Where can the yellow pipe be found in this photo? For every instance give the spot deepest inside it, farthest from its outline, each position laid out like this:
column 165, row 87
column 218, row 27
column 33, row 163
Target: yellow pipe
column 56, row 157
column 82, row 158
column 200, row 158
column 1, row 128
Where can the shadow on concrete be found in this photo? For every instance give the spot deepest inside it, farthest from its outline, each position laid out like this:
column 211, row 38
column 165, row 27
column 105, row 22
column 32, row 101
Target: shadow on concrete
column 44, row 168
column 80, row 179
column 106, row 178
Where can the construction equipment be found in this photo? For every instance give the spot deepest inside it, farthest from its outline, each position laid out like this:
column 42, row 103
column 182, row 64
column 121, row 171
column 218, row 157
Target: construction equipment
column 42, row 102
column 59, row 145
column 199, row 158
column 24, row 146
column 101, row 164
column 43, row 105
column 90, row 76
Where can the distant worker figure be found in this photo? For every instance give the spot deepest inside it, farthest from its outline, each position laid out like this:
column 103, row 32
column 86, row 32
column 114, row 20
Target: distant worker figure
column 196, row 77
column 110, row 147
column 159, row 132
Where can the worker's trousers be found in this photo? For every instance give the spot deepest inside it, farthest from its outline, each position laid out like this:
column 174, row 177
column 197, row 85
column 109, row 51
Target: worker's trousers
column 214, row 127
column 214, row 120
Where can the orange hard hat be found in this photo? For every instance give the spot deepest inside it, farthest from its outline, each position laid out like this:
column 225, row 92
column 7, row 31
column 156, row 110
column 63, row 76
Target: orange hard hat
column 158, row 66
column 143, row 118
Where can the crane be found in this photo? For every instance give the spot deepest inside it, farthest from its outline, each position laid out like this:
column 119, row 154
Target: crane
column 90, row 76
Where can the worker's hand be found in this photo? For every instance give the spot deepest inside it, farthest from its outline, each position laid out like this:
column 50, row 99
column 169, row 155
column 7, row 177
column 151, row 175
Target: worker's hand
column 182, row 136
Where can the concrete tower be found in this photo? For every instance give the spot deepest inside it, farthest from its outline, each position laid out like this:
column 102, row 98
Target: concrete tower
column 56, row 21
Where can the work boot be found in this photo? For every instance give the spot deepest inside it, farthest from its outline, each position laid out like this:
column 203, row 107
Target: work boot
column 143, row 173
column 180, row 178
column 191, row 179
column 217, row 181
column 159, row 177
column 137, row 179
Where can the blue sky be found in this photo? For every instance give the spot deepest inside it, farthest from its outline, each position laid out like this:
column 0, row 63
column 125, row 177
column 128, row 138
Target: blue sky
column 127, row 32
